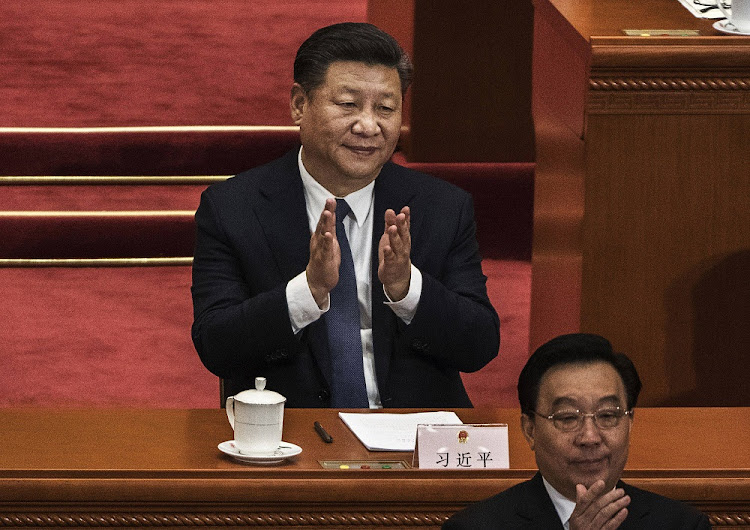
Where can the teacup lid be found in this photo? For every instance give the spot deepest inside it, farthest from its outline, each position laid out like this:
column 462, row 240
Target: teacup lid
column 260, row 396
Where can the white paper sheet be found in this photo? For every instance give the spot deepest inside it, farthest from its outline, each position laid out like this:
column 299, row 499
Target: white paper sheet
column 381, row 431
column 702, row 8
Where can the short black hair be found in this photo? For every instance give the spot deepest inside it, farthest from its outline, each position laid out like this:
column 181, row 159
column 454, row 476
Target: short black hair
column 574, row 348
column 349, row 41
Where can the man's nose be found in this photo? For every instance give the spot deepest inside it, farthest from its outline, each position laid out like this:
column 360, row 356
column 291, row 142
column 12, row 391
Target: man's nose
column 366, row 124
column 589, row 433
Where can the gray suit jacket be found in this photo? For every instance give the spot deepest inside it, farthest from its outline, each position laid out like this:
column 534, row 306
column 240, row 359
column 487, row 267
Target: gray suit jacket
column 528, row 506
column 253, row 237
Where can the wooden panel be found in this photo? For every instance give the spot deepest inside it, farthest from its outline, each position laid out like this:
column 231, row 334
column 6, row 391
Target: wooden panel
column 592, row 18
column 667, row 251
column 659, row 194
column 77, row 468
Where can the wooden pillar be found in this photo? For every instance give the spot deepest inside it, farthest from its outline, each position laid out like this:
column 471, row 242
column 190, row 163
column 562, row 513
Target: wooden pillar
column 471, row 96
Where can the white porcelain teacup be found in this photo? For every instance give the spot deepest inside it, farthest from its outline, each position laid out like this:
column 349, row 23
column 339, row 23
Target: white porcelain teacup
column 739, row 14
column 257, row 417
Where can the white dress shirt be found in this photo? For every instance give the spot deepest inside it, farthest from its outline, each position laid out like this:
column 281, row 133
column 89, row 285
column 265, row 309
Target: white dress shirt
column 303, row 310
column 563, row 505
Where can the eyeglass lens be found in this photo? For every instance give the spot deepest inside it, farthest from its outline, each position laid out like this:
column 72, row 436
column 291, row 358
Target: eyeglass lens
column 573, row 420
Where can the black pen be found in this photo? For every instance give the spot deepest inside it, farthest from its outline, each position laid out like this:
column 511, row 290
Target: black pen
column 322, row 433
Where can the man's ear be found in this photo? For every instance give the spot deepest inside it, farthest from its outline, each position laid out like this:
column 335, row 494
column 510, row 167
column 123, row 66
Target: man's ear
column 297, row 102
column 528, row 427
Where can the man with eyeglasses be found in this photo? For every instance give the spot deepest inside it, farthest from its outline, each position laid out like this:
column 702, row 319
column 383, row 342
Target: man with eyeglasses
column 577, row 398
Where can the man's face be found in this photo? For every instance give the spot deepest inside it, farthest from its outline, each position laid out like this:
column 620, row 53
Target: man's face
column 589, row 453
column 349, row 125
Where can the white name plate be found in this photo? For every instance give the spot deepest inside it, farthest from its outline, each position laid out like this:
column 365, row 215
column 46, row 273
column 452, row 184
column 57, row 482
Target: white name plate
column 477, row 446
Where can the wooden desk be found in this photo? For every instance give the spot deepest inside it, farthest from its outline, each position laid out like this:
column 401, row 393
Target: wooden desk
column 642, row 193
column 162, row 468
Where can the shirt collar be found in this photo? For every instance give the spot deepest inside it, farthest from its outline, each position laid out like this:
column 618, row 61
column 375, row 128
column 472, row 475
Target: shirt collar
column 563, row 505
column 359, row 201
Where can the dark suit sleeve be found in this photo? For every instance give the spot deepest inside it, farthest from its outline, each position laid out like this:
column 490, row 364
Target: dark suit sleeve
column 455, row 323
column 525, row 505
column 649, row 510
column 241, row 321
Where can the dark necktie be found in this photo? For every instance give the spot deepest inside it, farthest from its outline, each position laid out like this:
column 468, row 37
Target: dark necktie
column 348, row 388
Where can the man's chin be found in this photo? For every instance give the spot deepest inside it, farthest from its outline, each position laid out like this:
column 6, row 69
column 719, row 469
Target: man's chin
column 365, row 173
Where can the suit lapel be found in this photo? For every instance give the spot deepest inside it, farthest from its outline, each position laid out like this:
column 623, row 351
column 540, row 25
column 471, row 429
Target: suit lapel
column 638, row 509
column 282, row 215
column 537, row 507
column 390, row 192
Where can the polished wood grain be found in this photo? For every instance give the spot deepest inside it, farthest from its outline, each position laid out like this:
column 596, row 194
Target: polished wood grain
column 163, row 468
column 642, row 205
column 607, row 18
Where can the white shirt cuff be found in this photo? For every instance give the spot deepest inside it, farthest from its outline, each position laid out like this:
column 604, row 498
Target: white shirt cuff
column 407, row 307
column 303, row 310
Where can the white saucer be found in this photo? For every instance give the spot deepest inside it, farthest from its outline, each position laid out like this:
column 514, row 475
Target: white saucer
column 727, row 27
column 285, row 450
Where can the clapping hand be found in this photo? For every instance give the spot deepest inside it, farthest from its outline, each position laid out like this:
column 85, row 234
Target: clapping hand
column 394, row 254
column 597, row 509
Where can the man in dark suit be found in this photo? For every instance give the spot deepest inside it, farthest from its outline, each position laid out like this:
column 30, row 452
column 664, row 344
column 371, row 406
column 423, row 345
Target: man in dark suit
column 270, row 263
column 577, row 398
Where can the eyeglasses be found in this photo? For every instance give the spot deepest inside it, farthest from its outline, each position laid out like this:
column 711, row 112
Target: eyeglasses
column 572, row 420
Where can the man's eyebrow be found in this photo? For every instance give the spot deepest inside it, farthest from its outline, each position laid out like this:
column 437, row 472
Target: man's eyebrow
column 572, row 402
column 389, row 94
column 346, row 89
column 564, row 400
column 614, row 398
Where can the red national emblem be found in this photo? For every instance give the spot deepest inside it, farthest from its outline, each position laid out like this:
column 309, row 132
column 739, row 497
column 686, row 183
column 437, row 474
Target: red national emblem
column 463, row 437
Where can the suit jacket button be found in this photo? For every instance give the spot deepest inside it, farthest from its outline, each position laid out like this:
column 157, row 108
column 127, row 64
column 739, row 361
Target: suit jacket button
column 420, row 345
column 323, row 395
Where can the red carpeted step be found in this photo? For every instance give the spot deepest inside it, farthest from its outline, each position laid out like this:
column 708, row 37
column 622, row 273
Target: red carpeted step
column 77, row 197
column 141, row 150
column 60, row 235
column 41, row 219
column 84, row 63
column 509, row 289
column 100, row 337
